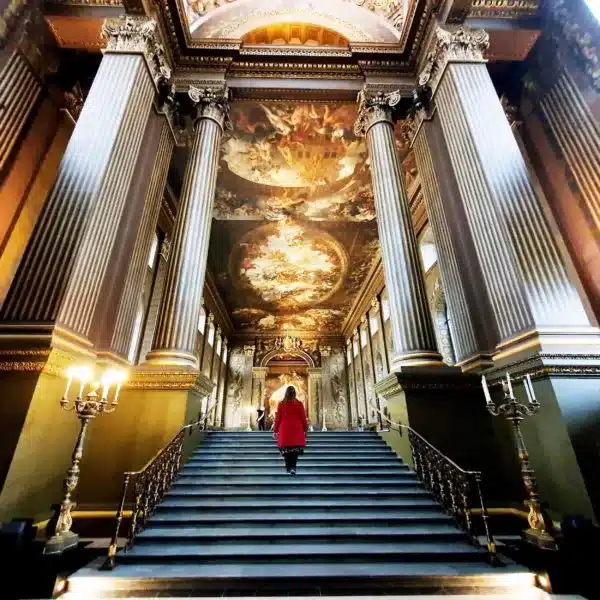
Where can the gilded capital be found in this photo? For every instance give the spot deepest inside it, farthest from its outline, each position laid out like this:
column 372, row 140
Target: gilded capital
column 211, row 103
column 249, row 350
column 129, row 35
column 376, row 108
column 459, row 45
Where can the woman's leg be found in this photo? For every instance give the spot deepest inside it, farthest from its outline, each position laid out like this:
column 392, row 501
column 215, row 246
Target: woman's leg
column 293, row 460
column 288, row 461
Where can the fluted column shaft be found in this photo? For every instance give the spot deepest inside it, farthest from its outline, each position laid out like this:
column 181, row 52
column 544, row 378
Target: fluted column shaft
column 136, row 273
column 60, row 276
column 19, row 90
column 177, row 327
column 412, row 328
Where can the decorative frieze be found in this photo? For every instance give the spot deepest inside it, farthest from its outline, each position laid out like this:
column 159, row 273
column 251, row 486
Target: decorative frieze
column 580, row 37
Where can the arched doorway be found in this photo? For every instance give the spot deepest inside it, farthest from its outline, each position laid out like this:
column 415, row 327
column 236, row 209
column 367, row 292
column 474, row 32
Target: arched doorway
column 282, row 368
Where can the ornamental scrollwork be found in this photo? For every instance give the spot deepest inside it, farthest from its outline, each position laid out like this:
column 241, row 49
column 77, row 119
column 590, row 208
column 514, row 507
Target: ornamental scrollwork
column 460, row 45
column 376, row 108
column 211, row 103
column 138, row 34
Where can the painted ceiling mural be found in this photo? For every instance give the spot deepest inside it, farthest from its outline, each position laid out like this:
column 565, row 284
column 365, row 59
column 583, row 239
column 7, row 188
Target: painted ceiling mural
column 294, row 233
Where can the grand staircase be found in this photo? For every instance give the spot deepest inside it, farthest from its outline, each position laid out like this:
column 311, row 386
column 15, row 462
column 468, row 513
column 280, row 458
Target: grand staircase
column 354, row 519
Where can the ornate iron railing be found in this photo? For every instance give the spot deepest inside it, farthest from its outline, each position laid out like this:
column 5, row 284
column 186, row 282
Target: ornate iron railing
column 150, row 484
column 455, row 488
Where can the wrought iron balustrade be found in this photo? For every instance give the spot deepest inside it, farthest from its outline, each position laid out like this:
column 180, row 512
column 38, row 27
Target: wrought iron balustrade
column 150, row 484
column 455, row 488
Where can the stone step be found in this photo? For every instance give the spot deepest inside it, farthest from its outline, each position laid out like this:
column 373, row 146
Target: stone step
column 306, row 462
column 336, row 443
column 384, row 451
column 369, row 516
column 329, row 576
column 260, row 530
column 250, row 491
column 284, row 479
column 304, row 470
column 284, row 551
column 287, row 487
column 294, row 494
column 276, row 505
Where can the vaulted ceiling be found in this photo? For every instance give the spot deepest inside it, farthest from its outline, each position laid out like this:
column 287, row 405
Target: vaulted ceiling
column 294, row 231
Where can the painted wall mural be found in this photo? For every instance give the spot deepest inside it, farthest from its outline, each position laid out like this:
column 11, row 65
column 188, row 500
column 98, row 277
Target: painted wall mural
column 294, row 230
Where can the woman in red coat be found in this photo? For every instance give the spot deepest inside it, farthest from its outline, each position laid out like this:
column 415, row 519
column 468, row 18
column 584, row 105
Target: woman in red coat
column 290, row 429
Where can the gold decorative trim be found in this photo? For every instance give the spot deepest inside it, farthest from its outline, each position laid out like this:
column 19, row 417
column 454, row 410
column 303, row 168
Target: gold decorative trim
column 165, row 378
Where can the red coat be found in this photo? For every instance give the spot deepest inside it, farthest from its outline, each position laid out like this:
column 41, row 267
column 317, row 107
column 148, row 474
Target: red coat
column 290, row 424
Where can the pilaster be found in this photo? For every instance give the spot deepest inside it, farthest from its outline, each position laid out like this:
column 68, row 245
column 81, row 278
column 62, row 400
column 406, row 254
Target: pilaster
column 315, row 396
column 60, row 277
column 532, row 302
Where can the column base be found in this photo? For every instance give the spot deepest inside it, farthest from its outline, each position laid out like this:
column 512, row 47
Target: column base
column 175, row 358
column 417, row 359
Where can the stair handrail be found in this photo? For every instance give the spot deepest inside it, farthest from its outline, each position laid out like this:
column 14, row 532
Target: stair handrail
column 152, row 482
column 452, row 487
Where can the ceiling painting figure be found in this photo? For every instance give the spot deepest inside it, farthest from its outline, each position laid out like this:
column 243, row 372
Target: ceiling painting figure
column 294, row 231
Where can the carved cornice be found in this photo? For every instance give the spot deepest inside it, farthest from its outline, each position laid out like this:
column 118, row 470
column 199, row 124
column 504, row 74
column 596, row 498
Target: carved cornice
column 294, row 70
column 171, row 379
column 138, row 35
column 90, row 3
column 52, row 361
column 460, row 45
column 579, row 35
column 373, row 109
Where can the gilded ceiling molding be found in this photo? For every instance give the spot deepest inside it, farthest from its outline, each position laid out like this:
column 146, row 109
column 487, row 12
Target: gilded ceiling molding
column 391, row 10
column 91, row 3
column 580, row 37
column 459, row 45
column 138, row 35
column 503, row 9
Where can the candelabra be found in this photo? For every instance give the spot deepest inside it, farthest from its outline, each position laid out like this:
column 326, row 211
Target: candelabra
column 540, row 526
column 86, row 408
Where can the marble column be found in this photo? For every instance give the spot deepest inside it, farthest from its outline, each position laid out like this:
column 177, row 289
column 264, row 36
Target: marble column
column 412, row 328
column 526, row 282
column 136, row 272
column 175, row 336
column 60, row 276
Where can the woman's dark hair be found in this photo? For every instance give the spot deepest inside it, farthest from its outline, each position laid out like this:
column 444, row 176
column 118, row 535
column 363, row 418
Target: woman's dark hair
column 290, row 393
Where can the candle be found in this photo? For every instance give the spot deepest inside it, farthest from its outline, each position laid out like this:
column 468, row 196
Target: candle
column 69, row 382
column 530, row 392
column 117, row 391
column 509, row 383
column 486, row 391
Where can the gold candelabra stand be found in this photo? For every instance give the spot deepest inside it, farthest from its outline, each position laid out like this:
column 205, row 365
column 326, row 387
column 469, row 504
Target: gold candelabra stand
column 540, row 526
column 87, row 407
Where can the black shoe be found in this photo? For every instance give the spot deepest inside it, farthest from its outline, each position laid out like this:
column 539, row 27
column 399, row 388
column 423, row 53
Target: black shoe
column 293, row 472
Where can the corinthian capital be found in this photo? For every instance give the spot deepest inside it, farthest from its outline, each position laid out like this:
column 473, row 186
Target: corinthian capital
column 138, row 35
column 459, row 45
column 211, row 103
column 376, row 108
